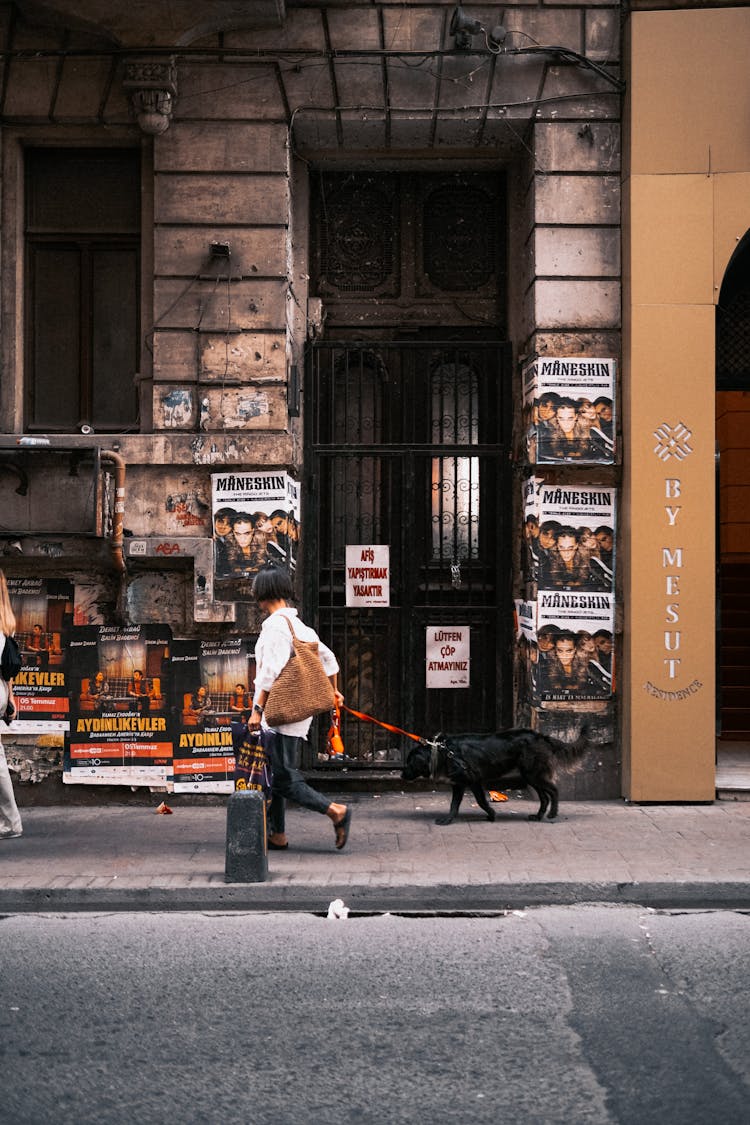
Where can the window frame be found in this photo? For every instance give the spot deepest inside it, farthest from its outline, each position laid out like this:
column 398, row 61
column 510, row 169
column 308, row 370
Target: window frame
column 87, row 243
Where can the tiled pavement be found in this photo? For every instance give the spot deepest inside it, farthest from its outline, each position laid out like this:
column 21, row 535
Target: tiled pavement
column 397, row 858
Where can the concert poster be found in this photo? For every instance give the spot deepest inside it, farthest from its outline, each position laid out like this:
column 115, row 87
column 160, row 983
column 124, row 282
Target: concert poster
column 43, row 608
column 212, row 683
column 119, row 706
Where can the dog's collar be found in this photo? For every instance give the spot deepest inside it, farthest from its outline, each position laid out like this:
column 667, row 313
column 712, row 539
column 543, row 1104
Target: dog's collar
column 435, row 748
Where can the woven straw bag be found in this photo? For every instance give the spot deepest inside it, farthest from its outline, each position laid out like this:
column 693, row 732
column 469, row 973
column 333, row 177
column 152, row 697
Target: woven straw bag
column 302, row 688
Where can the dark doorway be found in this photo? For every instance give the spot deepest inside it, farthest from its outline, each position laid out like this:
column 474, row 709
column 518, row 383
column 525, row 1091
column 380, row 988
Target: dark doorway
column 409, row 446
column 408, row 431
column 733, row 538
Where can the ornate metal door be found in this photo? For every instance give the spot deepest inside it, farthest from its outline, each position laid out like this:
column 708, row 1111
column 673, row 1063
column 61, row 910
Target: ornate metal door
column 408, row 445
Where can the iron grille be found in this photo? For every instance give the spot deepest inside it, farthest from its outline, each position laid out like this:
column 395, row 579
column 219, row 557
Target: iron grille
column 409, row 446
column 733, row 343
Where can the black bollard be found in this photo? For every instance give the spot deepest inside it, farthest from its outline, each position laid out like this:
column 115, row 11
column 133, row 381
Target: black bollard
column 247, row 850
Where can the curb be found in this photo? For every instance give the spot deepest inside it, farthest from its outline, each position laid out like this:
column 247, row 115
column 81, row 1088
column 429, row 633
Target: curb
column 467, row 899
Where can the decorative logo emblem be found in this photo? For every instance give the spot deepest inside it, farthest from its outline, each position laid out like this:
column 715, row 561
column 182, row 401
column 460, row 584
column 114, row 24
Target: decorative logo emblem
column 672, row 441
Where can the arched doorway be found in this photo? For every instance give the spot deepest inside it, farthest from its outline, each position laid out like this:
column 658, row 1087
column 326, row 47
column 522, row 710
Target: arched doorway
column 733, row 530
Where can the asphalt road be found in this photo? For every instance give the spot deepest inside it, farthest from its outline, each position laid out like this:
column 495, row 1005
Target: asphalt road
column 574, row 1015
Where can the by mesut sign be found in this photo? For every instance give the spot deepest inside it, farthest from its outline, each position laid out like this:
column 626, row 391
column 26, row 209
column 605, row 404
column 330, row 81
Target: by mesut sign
column 673, row 443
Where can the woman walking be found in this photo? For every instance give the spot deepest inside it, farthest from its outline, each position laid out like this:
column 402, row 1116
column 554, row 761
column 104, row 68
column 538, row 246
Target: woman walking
column 272, row 590
column 10, row 819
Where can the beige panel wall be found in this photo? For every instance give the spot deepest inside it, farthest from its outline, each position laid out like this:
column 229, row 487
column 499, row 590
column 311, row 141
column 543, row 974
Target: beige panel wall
column 688, row 75
column 686, row 206
column 668, row 593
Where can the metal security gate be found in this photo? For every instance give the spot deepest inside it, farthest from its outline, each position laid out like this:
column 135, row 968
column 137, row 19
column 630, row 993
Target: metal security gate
column 408, row 444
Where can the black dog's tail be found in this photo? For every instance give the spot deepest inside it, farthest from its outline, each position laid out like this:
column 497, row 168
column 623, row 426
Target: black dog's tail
column 569, row 755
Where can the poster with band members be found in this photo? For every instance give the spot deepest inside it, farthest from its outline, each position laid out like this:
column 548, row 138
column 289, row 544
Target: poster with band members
column 119, row 706
column 566, row 646
column 256, row 519
column 569, row 535
column 43, row 608
column 212, row 685
column 569, row 410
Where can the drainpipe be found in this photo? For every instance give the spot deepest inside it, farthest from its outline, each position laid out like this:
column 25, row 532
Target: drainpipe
column 119, row 509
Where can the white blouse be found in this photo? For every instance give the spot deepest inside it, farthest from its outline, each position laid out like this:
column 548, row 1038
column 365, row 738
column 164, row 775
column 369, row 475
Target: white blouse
column 272, row 652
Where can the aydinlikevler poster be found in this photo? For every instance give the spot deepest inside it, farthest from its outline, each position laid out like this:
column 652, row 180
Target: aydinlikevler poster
column 119, row 706
column 44, row 614
column 212, row 684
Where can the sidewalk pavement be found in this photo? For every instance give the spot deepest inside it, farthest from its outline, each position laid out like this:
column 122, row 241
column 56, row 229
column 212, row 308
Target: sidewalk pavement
column 109, row 858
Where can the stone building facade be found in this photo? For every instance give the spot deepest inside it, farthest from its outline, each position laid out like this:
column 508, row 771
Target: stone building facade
column 200, row 184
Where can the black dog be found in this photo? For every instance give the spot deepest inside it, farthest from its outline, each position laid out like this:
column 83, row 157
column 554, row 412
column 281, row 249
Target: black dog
column 472, row 761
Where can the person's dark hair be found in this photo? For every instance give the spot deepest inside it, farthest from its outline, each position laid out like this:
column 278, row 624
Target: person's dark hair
column 242, row 517
column 272, row 584
column 225, row 513
column 565, row 635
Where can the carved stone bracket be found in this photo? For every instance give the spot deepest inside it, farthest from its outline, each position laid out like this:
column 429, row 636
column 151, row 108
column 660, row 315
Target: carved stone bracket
column 151, row 85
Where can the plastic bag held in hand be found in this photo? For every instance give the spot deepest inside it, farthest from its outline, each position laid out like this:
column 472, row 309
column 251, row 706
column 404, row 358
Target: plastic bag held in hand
column 335, row 741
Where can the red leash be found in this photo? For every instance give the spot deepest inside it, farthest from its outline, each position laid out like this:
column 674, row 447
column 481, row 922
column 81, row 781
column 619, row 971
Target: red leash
column 386, row 726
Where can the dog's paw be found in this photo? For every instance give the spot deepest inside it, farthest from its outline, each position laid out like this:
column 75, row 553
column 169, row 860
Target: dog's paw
column 444, row 820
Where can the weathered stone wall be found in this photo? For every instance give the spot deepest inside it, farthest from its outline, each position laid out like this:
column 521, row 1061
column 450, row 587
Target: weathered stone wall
column 221, row 333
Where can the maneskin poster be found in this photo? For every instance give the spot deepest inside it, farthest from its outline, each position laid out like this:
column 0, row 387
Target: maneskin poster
column 566, row 646
column 44, row 614
column 569, row 409
column 212, row 683
column 256, row 517
column 119, row 706
column 569, row 535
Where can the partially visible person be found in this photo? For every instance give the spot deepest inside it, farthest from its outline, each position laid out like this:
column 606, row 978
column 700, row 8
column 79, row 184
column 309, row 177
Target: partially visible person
column 599, row 668
column 546, row 543
column 565, row 674
column 284, row 536
column 586, row 417
column 566, row 442
column 605, row 538
column 272, row 590
column 39, row 646
column 139, row 691
column 605, row 415
column 245, row 548
column 222, row 530
column 201, row 706
column 223, row 522
column 99, row 691
column 238, row 699
column 10, row 818
column 547, row 427
column 530, row 548
column 568, row 565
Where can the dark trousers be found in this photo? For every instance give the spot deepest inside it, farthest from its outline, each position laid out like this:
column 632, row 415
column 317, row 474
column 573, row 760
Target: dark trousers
column 284, row 751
